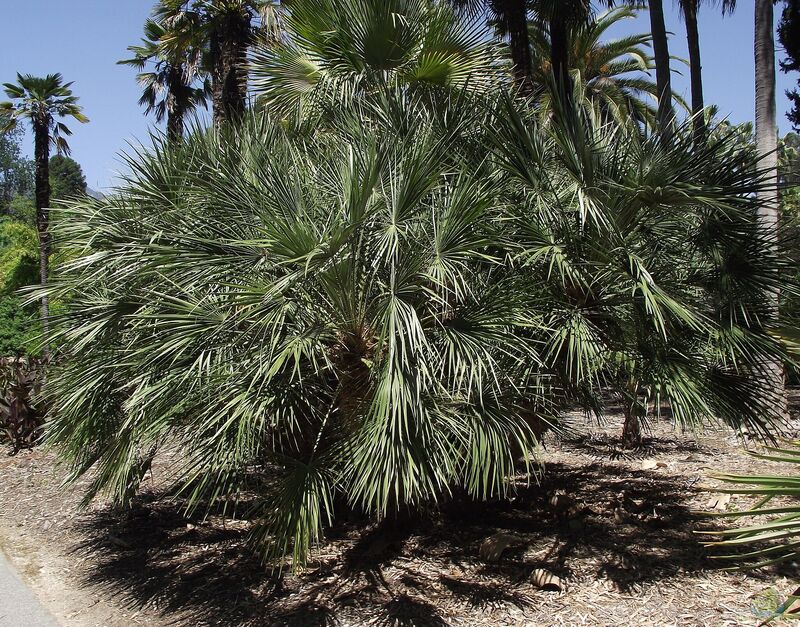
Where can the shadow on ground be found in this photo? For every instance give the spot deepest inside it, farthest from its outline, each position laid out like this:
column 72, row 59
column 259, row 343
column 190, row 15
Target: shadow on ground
column 630, row 527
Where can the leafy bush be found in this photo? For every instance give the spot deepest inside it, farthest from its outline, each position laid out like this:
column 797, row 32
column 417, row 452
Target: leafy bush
column 21, row 414
column 19, row 267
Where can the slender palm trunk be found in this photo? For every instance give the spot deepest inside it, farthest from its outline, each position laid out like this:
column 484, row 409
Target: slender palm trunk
column 175, row 109
column 661, row 53
column 42, row 162
column 228, row 45
column 559, row 57
column 515, row 13
column 695, row 69
column 767, row 145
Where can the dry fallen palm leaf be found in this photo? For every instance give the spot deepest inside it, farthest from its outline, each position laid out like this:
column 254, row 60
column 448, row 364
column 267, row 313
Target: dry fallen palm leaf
column 492, row 547
column 545, row 580
column 719, row 502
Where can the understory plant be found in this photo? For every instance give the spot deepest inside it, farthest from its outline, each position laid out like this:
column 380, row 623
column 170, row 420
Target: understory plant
column 21, row 409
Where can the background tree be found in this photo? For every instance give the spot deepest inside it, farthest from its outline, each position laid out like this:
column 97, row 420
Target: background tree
column 561, row 17
column 335, row 54
column 689, row 10
column 228, row 28
column 170, row 89
column 66, row 179
column 611, row 74
column 16, row 172
column 42, row 101
column 658, row 30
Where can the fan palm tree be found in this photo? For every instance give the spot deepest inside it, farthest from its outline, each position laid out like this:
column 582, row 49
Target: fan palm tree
column 336, row 52
column 42, row 101
column 560, row 18
column 611, row 75
column 689, row 10
column 229, row 28
column 169, row 90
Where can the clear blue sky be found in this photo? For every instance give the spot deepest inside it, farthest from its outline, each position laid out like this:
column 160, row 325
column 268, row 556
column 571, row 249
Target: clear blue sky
column 83, row 39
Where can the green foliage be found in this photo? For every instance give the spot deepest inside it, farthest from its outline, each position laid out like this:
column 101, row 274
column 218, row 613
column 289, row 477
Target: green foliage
column 789, row 37
column 379, row 312
column 16, row 172
column 176, row 83
column 19, row 267
column 610, row 76
column 390, row 304
column 771, row 535
column 333, row 53
column 66, row 179
column 22, row 209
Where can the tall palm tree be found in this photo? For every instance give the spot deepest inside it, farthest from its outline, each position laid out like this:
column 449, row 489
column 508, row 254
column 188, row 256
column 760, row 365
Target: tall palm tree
column 689, row 10
column 610, row 73
column 169, row 90
column 510, row 18
column 229, row 27
column 561, row 17
column 658, row 29
column 42, row 101
column 767, row 144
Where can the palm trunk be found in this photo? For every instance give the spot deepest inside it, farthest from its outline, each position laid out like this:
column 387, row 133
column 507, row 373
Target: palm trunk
column 229, row 43
column 559, row 57
column 42, row 159
column 515, row 13
column 175, row 126
column 632, row 430
column 175, row 109
column 767, row 145
column 661, row 53
column 695, row 69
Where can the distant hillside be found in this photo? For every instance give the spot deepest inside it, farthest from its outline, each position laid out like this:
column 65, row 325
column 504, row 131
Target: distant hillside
column 95, row 194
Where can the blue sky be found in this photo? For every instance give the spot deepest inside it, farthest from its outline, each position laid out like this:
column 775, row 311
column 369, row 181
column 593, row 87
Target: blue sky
column 83, row 39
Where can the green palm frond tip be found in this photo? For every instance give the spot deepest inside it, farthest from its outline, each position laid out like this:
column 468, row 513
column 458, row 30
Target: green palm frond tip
column 773, row 536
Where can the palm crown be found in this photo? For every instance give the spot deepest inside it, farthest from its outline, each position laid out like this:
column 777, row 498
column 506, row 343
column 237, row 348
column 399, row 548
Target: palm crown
column 608, row 75
column 169, row 89
column 42, row 101
column 335, row 51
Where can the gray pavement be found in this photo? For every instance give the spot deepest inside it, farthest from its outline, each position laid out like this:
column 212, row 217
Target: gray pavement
column 19, row 606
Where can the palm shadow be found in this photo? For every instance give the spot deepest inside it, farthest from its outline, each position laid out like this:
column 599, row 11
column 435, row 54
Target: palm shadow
column 626, row 526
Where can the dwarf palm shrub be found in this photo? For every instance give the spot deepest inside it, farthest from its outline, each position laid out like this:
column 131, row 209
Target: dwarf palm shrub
column 396, row 304
column 335, row 53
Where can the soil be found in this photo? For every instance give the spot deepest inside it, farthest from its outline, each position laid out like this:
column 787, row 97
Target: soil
column 610, row 535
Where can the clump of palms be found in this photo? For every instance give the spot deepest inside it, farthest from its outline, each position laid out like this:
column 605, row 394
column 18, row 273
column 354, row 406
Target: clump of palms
column 170, row 89
column 42, row 101
column 349, row 327
column 226, row 29
column 655, row 268
column 376, row 314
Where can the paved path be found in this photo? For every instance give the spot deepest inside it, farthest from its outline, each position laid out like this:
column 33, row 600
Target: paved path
column 19, row 607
